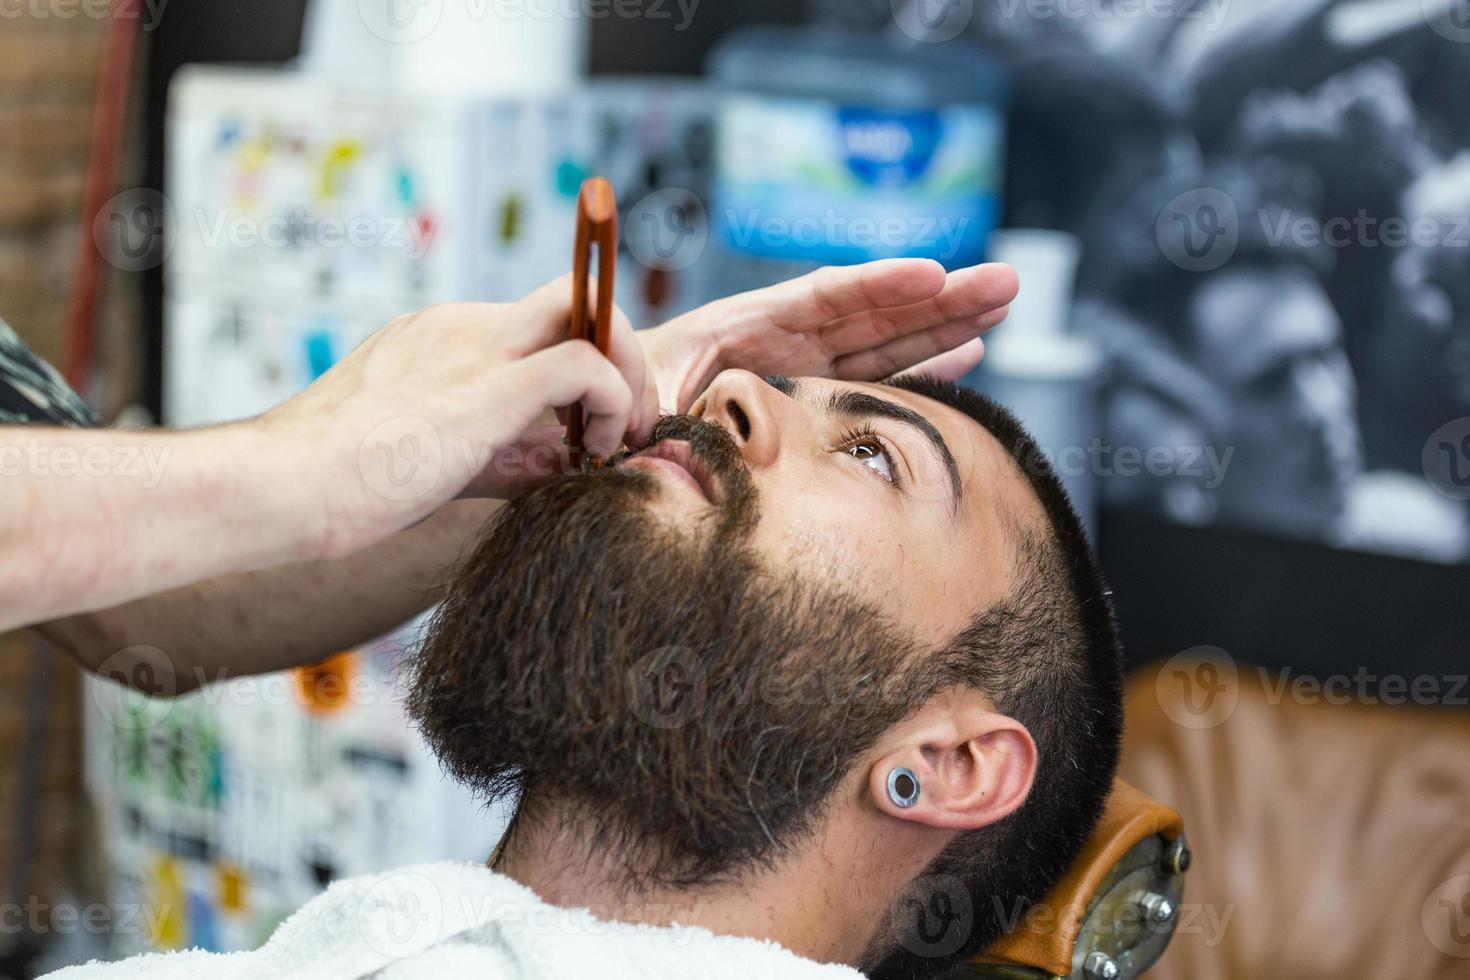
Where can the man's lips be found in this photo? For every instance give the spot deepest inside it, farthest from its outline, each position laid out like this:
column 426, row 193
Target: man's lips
column 676, row 458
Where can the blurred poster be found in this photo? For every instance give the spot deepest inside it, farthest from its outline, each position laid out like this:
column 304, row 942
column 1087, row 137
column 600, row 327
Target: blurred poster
column 1274, row 200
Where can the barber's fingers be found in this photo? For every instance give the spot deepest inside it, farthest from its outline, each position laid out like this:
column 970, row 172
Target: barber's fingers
column 544, row 315
column 539, row 319
column 535, row 458
column 626, row 354
column 542, row 319
column 968, row 293
column 833, row 292
column 905, row 352
column 952, row 365
column 574, row 371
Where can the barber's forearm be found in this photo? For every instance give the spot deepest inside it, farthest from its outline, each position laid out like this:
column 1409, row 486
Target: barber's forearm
column 90, row 518
column 275, row 618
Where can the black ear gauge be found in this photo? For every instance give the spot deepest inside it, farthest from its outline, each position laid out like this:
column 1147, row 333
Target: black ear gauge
column 903, row 787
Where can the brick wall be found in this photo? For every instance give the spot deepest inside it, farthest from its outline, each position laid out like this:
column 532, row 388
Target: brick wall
column 48, row 68
column 55, row 853
column 48, row 71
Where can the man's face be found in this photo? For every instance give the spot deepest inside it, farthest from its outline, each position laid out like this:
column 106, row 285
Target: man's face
column 1273, row 339
column 694, row 645
column 894, row 497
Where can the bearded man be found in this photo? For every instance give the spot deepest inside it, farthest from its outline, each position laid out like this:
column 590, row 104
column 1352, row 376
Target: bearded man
column 827, row 665
column 823, row 681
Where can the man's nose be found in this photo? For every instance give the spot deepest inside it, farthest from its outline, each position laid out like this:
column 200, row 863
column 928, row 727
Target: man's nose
column 746, row 406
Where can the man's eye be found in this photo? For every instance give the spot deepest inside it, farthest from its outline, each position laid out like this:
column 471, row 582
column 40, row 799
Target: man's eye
column 873, row 456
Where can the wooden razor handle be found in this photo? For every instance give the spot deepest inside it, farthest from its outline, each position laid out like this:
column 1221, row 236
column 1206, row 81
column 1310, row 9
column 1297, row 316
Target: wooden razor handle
column 597, row 224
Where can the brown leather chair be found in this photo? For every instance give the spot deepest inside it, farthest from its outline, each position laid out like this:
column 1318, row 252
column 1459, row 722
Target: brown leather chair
column 1332, row 840
column 1113, row 913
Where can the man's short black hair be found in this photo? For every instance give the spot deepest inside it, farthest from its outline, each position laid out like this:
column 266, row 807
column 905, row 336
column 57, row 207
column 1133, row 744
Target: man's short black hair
column 1048, row 656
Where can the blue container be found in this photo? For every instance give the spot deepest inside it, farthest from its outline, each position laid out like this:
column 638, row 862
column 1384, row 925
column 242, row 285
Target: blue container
column 841, row 149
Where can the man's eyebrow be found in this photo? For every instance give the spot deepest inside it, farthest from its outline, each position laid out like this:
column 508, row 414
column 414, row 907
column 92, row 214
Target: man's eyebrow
column 861, row 405
column 781, row 383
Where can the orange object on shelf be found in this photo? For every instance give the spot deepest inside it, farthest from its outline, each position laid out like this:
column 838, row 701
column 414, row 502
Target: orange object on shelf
column 325, row 687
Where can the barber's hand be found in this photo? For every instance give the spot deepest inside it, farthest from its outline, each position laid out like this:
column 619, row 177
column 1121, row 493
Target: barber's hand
column 450, row 402
column 860, row 323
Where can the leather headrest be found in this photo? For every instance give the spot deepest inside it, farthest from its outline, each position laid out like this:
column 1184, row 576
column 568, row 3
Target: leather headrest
column 1046, row 939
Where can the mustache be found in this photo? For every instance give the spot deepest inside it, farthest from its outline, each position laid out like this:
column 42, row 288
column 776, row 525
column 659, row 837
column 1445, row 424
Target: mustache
column 714, row 447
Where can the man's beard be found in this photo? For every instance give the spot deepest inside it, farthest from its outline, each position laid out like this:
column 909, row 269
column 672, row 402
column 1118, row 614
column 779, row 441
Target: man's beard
column 690, row 708
column 701, row 705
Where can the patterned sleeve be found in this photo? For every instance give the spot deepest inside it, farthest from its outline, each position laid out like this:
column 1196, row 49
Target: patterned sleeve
column 32, row 392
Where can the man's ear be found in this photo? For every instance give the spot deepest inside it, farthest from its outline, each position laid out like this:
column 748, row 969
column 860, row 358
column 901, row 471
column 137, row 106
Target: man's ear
column 973, row 765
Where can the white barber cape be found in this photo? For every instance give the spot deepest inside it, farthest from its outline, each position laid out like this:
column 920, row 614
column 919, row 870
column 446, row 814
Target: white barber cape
column 452, row 920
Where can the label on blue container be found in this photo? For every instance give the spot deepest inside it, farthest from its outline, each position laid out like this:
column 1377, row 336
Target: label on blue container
column 811, row 180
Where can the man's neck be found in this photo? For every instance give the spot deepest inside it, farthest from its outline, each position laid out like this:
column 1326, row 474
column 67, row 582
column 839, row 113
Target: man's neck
column 825, row 902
